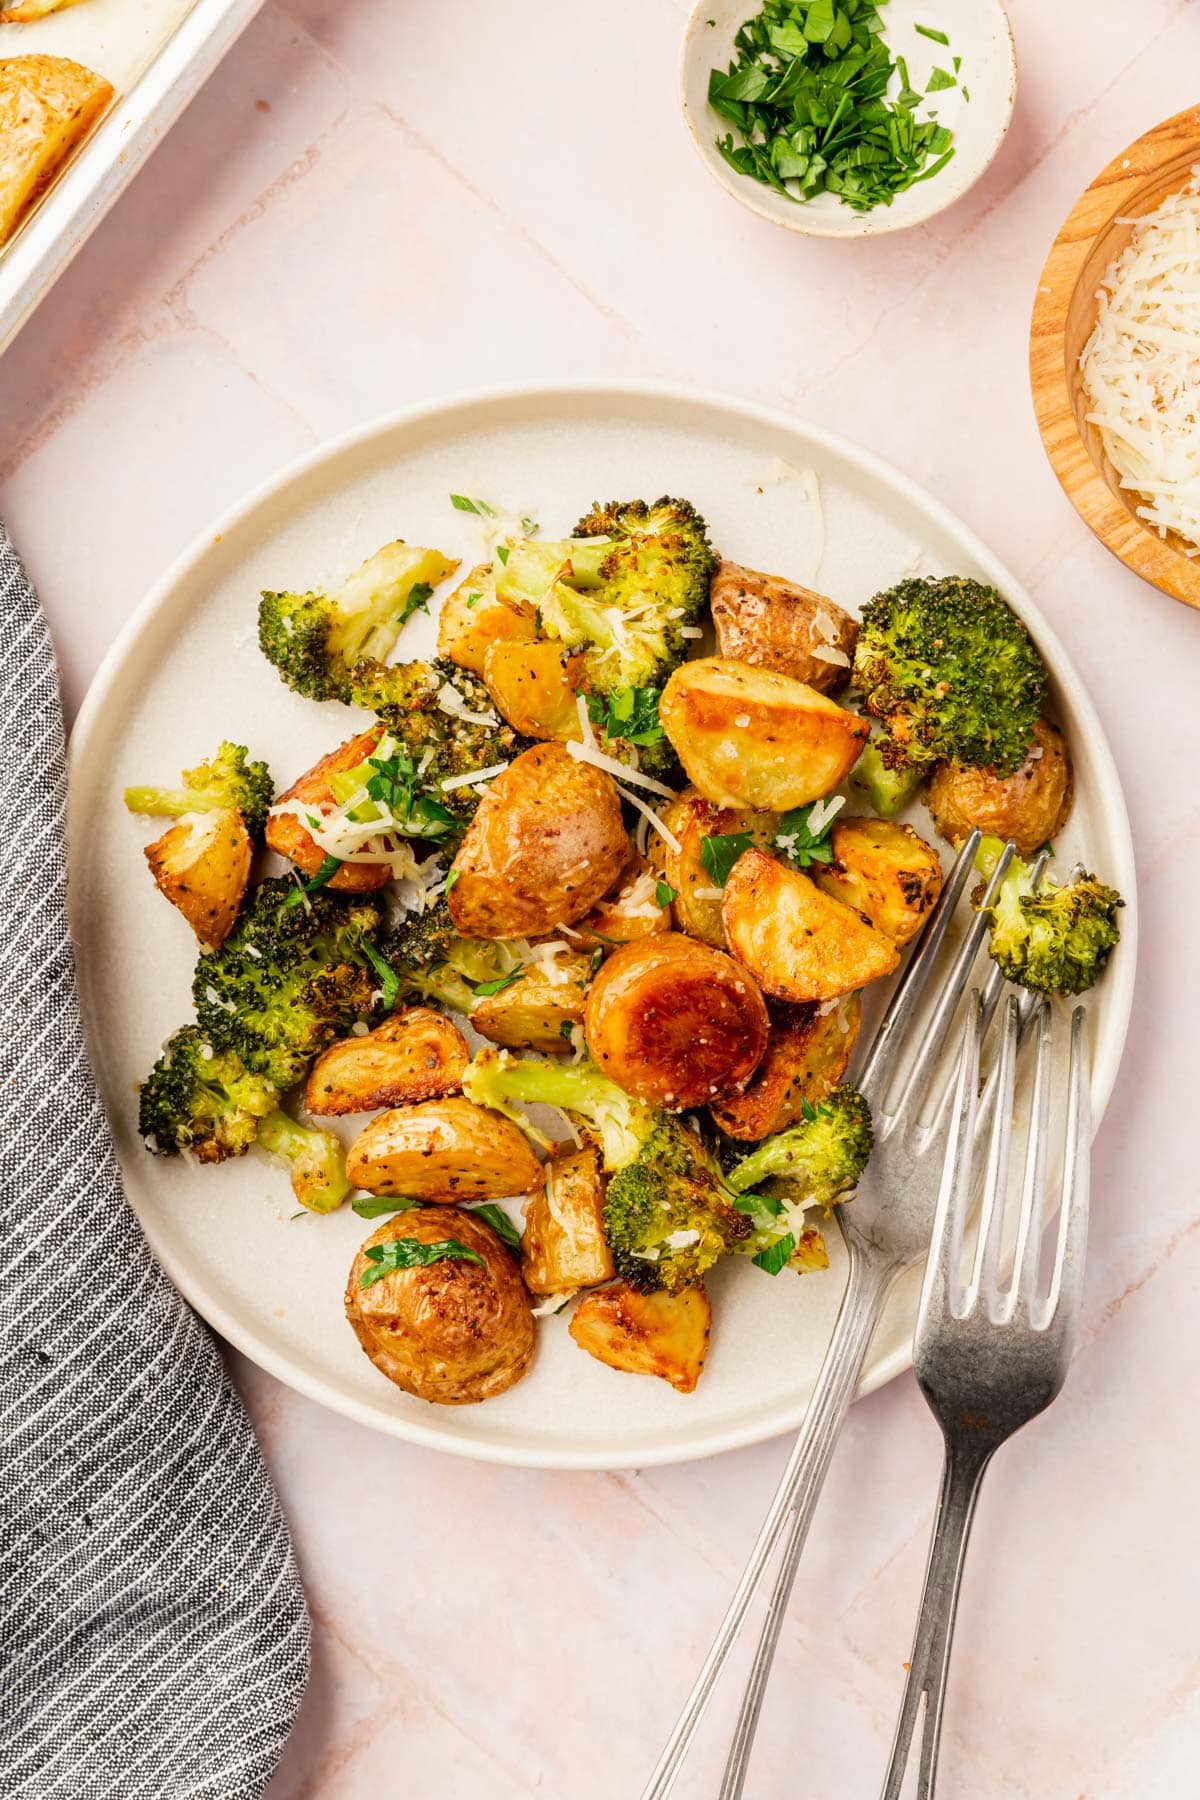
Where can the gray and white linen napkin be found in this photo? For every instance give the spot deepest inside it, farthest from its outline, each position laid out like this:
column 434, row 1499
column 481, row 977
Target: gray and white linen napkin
column 153, row 1632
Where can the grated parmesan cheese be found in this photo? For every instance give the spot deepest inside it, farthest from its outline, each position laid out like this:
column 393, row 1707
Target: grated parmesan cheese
column 589, row 752
column 451, row 701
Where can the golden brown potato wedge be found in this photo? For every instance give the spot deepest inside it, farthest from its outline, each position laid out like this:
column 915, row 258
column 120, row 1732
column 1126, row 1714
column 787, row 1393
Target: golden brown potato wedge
column 27, row 10
column 533, row 687
column 798, row 943
column 563, row 1246
column 202, row 865
column 473, row 617
column 286, row 835
column 442, row 1151
column 775, row 624
column 545, row 845
column 807, row 1054
column 751, row 737
column 1030, row 807
column 48, row 105
column 646, row 1334
column 632, row 911
column 885, row 871
column 675, row 1021
column 541, row 1009
column 451, row 1331
column 696, row 908
column 417, row 1054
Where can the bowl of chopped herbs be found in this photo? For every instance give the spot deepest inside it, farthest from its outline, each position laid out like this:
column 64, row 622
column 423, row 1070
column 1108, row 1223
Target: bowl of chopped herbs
column 847, row 118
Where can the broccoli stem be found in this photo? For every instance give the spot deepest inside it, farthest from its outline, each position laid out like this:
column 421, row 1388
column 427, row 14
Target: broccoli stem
column 622, row 1124
column 172, row 803
column 888, row 790
column 318, row 1162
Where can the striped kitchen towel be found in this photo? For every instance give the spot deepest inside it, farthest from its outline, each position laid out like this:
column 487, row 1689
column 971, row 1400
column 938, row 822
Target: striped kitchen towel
column 153, row 1632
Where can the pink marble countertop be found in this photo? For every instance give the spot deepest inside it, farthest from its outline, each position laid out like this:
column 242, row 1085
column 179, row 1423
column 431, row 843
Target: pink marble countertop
column 370, row 205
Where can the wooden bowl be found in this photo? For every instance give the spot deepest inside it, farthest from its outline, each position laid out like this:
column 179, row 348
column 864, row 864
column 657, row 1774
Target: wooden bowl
column 1096, row 230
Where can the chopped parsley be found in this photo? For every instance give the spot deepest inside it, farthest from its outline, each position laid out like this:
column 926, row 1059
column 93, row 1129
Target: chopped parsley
column 939, row 79
column 416, row 812
column 462, row 503
column 410, row 1253
column 500, row 1223
column 799, row 843
column 328, row 869
column 485, row 989
column 939, row 37
column 630, row 713
column 389, row 981
column 418, row 599
column 473, row 599
column 374, row 1206
column 719, row 853
column 775, row 1256
column 664, row 893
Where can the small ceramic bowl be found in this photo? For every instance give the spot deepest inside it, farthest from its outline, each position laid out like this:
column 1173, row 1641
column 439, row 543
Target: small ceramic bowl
column 1096, row 230
column 979, row 35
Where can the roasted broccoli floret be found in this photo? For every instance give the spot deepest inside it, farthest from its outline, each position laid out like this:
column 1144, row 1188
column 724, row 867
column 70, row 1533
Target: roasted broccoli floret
column 315, row 1159
column 888, row 789
column 201, row 1099
column 952, row 672
column 816, row 1160
column 230, row 782
column 288, row 978
column 1052, row 939
column 432, row 962
column 314, row 640
column 445, row 717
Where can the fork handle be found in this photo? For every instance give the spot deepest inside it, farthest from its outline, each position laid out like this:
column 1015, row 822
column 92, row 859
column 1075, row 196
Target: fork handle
column 962, row 1475
column 862, row 1302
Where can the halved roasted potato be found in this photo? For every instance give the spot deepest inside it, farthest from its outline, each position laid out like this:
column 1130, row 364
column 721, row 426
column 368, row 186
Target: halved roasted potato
column 442, row 1151
column 798, row 943
column 675, row 1021
column 646, row 1334
column 632, row 911
column 202, row 865
column 453, row 1330
column 775, row 624
column 696, row 908
column 885, row 871
column 48, row 104
column 417, row 1054
column 533, row 687
column 547, row 842
column 751, row 737
column 563, row 1246
column 807, row 1054
column 286, row 833
column 474, row 617
column 1030, row 807
column 542, row 1007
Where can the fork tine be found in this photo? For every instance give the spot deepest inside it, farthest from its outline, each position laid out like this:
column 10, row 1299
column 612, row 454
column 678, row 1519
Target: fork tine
column 881, row 1057
column 1026, row 1254
column 1066, row 1284
column 985, row 1278
column 954, row 1193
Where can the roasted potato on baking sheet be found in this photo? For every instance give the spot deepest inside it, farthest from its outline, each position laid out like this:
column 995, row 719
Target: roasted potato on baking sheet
column 775, row 624
column 541, row 1008
column 442, row 1151
column 48, row 105
column 563, row 1246
column 751, row 737
column 807, row 1054
column 454, row 1330
column 798, row 943
column 632, row 911
column 417, row 1054
column 541, row 850
column 473, row 617
column 1030, row 807
column 885, row 871
column 534, row 688
column 286, row 834
column 696, row 908
column 646, row 1334
column 28, row 10
column 202, row 865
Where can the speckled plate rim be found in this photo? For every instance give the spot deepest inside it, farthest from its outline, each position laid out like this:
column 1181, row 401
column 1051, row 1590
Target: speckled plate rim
column 1120, row 979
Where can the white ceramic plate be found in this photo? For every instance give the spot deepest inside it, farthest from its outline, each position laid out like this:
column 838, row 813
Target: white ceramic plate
column 186, row 672
column 979, row 36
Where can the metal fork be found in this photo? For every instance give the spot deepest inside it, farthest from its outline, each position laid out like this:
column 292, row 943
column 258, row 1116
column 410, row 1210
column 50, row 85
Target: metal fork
column 887, row 1228
column 989, row 1357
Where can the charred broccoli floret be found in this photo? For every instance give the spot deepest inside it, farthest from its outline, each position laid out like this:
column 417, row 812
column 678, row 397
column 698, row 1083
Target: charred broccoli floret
column 315, row 639
column 201, row 1099
column 952, row 672
column 288, row 979
column 444, row 716
column 816, row 1160
column 1052, row 939
column 316, row 1160
column 229, row 782
column 432, row 962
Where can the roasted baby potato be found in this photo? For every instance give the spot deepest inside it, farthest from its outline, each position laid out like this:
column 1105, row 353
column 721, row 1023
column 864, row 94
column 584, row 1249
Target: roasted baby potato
column 202, row 865
column 1030, row 807
column 675, row 1021
column 48, row 105
column 751, row 737
column 633, row 911
column 442, row 1151
column 798, row 943
column 532, row 1011
column 563, row 1246
column 696, row 908
column 533, row 688
column 417, row 1054
column 451, row 1331
column 473, row 618
column 646, row 1334
column 286, row 835
column 543, row 847
column 775, row 624
column 884, row 871
column 807, row 1054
